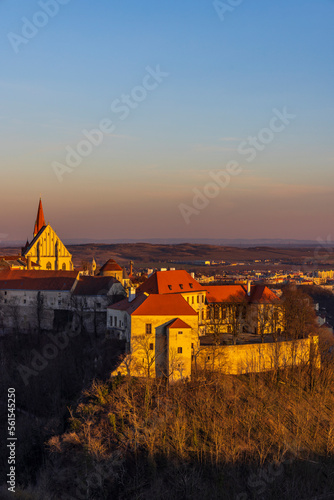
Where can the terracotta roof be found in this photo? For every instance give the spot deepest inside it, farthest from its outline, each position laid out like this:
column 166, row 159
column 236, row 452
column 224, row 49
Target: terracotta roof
column 227, row 293
column 110, row 265
column 224, row 293
column 37, row 280
column 261, row 293
column 163, row 282
column 94, row 285
column 40, row 221
column 178, row 323
column 156, row 305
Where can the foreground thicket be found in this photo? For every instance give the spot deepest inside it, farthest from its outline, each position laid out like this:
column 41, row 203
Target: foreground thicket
column 256, row 436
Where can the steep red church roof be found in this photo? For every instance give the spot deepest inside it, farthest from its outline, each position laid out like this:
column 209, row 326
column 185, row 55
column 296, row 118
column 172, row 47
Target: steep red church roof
column 40, row 221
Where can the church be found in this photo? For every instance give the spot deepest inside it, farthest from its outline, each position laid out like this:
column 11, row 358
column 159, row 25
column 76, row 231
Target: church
column 46, row 252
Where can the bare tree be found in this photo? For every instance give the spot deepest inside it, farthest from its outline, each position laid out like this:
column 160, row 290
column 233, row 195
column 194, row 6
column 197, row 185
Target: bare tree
column 299, row 314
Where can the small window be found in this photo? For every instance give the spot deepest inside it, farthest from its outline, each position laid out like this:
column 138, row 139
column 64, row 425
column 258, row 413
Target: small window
column 170, row 287
column 181, row 286
column 111, row 320
column 188, row 300
column 180, row 332
column 48, row 266
column 59, row 302
column 24, row 302
column 115, row 321
column 5, row 293
column 192, row 299
column 151, row 347
column 63, row 267
column 191, row 285
column 179, row 350
column 197, row 299
column 120, row 323
column 148, row 328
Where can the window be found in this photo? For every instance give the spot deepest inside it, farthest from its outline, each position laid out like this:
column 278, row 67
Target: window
column 170, row 287
column 188, row 300
column 115, row 321
column 179, row 350
column 148, row 328
column 229, row 329
column 59, row 302
column 63, row 267
column 181, row 286
column 191, row 285
column 5, row 293
column 216, row 313
column 180, row 333
column 111, row 320
column 24, row 302
column 192, row 299
column 197, row 299
column 151, row 347
column 48, row 266
column 192, row 345
column 120, row 323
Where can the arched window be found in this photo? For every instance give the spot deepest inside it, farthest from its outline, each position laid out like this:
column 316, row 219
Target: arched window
column 63, row 267
column 48, row 266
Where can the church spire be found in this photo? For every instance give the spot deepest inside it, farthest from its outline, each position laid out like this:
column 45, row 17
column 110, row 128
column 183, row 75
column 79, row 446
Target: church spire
column 40, row 221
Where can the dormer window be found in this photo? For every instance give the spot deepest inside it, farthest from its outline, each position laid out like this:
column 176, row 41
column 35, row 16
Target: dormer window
column 181, row 286
column 191, row 285
column 170, row 287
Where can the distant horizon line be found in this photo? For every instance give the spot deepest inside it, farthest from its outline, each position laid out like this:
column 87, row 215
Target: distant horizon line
column 173, row 241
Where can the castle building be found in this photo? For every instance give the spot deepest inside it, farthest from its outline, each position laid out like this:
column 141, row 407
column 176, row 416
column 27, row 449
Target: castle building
column 46, row 251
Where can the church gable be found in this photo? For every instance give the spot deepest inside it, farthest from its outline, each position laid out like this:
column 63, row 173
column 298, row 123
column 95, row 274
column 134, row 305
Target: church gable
column 49, row 252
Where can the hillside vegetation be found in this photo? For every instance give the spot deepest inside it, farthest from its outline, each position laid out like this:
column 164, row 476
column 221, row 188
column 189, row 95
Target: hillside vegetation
column 267, row 436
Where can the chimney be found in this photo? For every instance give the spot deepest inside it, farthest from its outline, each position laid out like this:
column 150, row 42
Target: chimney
column 249, row 283
column 131, row 267
column 131, row 293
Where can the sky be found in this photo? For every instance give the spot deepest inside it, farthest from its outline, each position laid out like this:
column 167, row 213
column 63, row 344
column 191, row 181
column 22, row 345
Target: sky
column 192, row 119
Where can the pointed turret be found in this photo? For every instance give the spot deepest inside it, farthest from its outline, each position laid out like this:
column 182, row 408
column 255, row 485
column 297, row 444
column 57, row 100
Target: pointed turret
column 40, row 221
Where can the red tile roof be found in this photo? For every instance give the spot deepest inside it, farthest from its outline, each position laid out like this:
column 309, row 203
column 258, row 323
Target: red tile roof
column 156, row 305
column 227, row 293
column 262, row 294
column 178, row 323
column 37, row 280
column 110, row 265
column 94, row 285
column 224, row 293
column 163, row 282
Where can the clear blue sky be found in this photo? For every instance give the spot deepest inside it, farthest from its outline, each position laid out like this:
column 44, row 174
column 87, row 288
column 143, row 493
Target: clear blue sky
column 225, row 77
